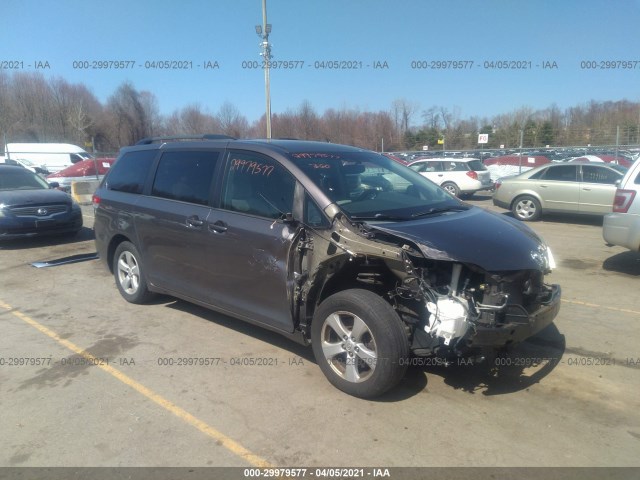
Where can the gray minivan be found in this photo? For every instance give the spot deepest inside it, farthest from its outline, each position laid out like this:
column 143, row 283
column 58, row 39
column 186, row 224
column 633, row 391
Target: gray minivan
column 331, row 245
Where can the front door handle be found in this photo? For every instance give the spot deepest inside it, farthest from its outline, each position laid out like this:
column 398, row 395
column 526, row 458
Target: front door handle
column 218, row 227
column 194, row 221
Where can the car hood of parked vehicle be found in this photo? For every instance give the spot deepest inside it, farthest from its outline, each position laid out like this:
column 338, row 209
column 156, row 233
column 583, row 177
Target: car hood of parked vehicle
column 35, row 197
column 475, row 236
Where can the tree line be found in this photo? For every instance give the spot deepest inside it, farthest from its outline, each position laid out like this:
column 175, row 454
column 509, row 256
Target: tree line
column 38, row 109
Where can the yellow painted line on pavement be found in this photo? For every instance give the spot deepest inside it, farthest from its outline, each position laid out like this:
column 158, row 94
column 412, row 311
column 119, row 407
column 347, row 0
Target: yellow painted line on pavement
column 594, row 305
column 220, row 438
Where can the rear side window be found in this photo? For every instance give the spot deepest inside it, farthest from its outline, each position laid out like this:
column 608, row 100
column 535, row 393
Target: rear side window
column 594, row 174
column 637, row 182
column 428, row 167
column 455, row 166
column 185, row 176
column 565, row 173
column 129, row 173
column 476, row 166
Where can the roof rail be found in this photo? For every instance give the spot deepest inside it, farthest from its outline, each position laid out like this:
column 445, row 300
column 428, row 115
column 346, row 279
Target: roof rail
column 208, row 136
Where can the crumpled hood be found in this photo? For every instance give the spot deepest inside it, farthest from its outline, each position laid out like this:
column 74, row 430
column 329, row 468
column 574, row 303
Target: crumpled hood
column 33, row 197
column 491, row 241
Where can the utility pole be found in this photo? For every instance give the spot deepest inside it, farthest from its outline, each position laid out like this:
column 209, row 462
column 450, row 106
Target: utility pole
column 520, row 160
column 263, row 32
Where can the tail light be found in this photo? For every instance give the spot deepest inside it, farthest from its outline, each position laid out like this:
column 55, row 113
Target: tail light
column 95, row 200
column 497, row 184
column 472, row 174
column 623, row 200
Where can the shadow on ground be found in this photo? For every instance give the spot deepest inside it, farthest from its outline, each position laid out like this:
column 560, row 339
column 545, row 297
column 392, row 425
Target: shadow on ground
column 518, row 369
column 625, row 262
column 525, row 365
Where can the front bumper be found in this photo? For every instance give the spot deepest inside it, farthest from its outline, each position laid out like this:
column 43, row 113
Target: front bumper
column 520, row 325
column 11, row 228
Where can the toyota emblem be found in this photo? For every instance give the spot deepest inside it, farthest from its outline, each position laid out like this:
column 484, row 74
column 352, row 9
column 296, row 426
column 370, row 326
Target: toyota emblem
column 42, row 212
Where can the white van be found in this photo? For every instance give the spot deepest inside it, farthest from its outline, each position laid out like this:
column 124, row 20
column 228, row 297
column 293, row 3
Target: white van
column 51, row 157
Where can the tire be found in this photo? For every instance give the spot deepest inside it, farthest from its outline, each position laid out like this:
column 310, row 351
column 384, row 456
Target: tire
column 129, row 274
column 452, row 188
column 359, row 325
column 526, row 208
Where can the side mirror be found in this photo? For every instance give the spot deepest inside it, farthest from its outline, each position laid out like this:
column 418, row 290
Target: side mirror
column 618, row 182
column 288, row 219
column 54, row 185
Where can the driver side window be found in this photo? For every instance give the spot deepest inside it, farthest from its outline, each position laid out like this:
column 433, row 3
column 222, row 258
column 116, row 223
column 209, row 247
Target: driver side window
column 257, row 185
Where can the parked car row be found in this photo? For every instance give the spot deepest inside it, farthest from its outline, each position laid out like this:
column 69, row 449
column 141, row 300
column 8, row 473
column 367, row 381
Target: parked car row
column 559, row 154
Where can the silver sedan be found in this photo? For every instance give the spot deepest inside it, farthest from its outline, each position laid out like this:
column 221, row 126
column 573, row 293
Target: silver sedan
column 583, row 188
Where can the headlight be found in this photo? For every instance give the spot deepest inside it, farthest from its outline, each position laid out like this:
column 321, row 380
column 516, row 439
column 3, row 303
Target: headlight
column 550, row 260
column 544, row 258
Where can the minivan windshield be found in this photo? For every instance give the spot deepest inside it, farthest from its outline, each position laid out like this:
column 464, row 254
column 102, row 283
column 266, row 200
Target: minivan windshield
column 369, row 186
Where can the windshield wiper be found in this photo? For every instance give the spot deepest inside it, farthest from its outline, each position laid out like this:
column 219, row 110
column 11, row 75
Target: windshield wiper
column 433, row 211
column 378, row 216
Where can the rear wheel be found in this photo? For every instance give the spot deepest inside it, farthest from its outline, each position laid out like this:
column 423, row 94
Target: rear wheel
column 452, row 188
column 129, row 274
column 526, row 208
column 359, row 343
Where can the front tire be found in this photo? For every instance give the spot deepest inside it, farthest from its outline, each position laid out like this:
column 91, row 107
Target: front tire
column 526, row 208
column 359, row 343
column 130, row 274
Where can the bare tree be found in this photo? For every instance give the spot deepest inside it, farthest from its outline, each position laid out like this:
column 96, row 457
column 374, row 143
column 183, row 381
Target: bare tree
column 151, row 110
column 129, row 119
column 78, row 119
column 231, row 121
column 402, row 112
column 307, row 122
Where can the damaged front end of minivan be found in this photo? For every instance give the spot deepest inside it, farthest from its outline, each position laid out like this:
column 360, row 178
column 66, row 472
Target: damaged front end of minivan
column 458, row 293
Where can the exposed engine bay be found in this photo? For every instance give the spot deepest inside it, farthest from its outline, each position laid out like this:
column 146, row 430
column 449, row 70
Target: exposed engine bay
column 450, row 308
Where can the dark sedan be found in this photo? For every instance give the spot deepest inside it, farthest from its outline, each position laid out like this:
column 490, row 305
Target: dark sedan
column 30, row 207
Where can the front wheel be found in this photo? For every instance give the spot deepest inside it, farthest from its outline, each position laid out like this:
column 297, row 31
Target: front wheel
column 526, row 208
column 359, row 343
column 129, row 274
